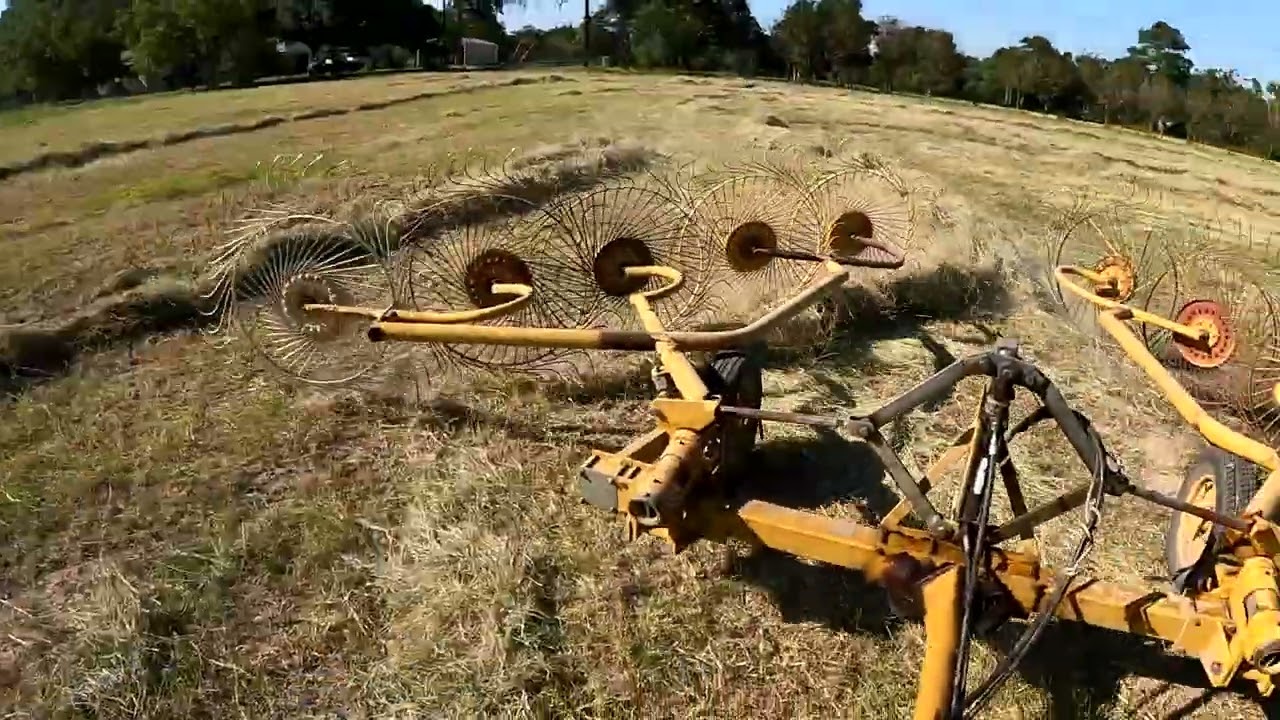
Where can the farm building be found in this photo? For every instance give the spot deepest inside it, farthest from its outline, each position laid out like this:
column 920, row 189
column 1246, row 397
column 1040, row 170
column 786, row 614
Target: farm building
column 478, row 53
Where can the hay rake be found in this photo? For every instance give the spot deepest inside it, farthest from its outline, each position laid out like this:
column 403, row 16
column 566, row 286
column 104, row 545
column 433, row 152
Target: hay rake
column 636, row 266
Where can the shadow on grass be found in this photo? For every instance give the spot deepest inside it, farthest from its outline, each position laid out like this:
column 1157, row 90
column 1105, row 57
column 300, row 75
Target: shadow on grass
column 813, row 471
column 1081, row 668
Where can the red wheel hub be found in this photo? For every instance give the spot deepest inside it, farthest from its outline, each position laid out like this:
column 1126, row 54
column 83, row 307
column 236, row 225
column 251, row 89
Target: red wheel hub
column 1219, row 341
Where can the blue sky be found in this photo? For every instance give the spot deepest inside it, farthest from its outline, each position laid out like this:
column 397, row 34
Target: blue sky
column 1244, row 34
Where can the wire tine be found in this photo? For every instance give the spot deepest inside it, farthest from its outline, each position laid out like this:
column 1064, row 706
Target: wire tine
column 457, row 270
column 268, row 283
column 761, row 203
column 625, row 223
column 866, row 210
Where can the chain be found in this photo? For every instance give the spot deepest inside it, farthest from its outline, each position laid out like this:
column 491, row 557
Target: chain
column 1092, row 517
column 1088, row 526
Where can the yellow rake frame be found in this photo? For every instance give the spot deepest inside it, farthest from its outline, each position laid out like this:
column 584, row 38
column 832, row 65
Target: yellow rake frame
column 659, row 487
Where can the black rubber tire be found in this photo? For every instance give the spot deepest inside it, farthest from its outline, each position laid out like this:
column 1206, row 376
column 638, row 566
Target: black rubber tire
column 736, row 377
column 1235, row 479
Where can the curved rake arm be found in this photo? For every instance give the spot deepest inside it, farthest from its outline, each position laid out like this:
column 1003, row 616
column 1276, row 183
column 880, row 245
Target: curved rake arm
column 1111, row 317
column 591, row 339
column 1063, row 275
column 1267, row 499
column 674, row 278
column 522, row 295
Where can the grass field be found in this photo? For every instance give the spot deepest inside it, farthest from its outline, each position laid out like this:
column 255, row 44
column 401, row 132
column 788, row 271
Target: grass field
column 181, row 535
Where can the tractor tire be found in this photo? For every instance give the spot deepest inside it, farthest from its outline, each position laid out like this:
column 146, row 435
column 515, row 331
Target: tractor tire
column 1218, row 480
column 736, row 377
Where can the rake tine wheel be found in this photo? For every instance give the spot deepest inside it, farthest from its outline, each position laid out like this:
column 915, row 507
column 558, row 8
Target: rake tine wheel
column 600, row 233
column 466, row 267
column 864, row 200
column 1124, row 247
column 1264, row 377
column 755, row 206
column 1238, row 314
column 271, row 284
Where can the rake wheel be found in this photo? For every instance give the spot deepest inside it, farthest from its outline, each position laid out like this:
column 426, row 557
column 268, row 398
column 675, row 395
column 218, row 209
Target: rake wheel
column 1220, row 341
column 755, row 206
column 277, row 285
column 600, row 233
column 458, row 269
column 864, row 201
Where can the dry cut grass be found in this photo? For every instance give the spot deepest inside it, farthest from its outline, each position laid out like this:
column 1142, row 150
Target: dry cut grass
column 42, row 130
column 182, row 535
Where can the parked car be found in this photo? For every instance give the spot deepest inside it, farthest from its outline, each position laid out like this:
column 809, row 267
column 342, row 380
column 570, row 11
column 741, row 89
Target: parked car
column 339, row 61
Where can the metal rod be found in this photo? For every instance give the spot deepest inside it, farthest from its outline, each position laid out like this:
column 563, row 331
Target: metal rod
column 941, row 596
column 850, row 544
column 674, row 278
column 1028, row 521
column 523, row 294
column 845, row 260
column 907, row 484
column 675, row 363
column 1172, row 503
column 785, row 417
column 1062, row 273
column 937, row 384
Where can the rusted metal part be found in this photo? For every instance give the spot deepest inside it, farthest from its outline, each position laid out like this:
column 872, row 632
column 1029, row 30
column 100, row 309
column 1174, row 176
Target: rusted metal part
column 1217, row 341
column 1203, row 513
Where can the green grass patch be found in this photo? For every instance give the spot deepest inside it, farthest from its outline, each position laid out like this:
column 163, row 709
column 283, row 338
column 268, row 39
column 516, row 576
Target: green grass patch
column 172, row 187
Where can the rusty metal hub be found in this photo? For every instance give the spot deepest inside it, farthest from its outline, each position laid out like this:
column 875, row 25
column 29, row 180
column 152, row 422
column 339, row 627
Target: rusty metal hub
column 1220, row 341
column 846, row 234
column 611, row 263
column 491, row 267
column 1119, row 278
column 741, row 248
column 310, row 289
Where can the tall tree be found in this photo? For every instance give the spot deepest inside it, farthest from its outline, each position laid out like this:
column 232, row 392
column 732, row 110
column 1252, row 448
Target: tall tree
column 1162, row 50
column 665, row 36
column 801, row 40
column 1093, row 73
column 1121, row 87
column 58, row 49
column 939, row 64
column 846, row 39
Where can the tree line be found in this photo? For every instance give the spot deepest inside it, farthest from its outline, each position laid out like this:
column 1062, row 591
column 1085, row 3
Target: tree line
column 63, row 49
column 1153, row 85
column 52, row 49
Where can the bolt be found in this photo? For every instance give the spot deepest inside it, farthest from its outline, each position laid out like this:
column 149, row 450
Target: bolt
column 1215, row 667
column 858, row 427
column 1008, row 346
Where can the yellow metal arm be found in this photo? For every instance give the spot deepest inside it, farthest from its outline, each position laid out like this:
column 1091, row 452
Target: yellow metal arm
column 1063, row 274
column 522, row 293
column 577, row 338
column 1111, row 317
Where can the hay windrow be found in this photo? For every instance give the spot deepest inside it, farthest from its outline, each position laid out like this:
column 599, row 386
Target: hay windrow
column 98, row 150
column 473, row 193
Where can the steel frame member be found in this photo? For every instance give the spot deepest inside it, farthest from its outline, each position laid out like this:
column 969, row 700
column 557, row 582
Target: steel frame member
column 962, row 571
